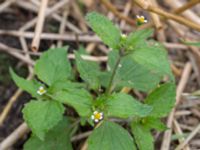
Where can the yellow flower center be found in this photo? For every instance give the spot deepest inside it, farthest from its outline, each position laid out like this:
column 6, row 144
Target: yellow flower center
column 97, row 116
column 42, row 90
column 141, row 19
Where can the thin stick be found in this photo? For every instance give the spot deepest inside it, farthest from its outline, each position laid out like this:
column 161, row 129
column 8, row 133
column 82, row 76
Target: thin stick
column 14, row 136
column 175, row 46
column 90, row 58
column 180, row 132
column 127, row 9
column 62, row 26
column 182, row 83
column 188, row 5
column 13, row 52
column 146, row 6
column 29, row 6
column 53, row 36
column 192, row 134
column 189, row 14
column 155, row 17
column 109, row 6
column 39, row 26
column 79, row 16
column 9, row 105
column 6, row 4
column 176, row 11
column 25, row 49
column 70, row 56
column 80, row 136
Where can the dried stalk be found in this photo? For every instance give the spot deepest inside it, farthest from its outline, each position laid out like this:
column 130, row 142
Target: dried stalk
column 182, row 83
column 109, row 6
column 14, row 136
column 146, row 6
column 39, row 26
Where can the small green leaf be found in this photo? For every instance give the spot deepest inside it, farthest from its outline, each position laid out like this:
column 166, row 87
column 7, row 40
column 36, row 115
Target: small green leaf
column 131, row 74
column 110, row 136
column 79, row 99
column 162, row 99
column 29, row 86
column 143, row 137
column 53, row 66
column 89, row 71
column 153, row 57
column 57, row 138
column 138, row 38
column 105, row 29
column 155, row 123
column 41, row 116
column 123, row 105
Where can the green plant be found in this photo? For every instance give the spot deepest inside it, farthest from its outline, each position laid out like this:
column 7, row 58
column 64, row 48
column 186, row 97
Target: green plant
column 133, row 62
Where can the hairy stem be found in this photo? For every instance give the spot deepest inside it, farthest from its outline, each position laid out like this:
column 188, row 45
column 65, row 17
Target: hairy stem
column 109, row 89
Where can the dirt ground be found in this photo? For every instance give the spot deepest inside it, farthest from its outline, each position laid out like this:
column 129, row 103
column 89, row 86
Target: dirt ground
column 65, row 25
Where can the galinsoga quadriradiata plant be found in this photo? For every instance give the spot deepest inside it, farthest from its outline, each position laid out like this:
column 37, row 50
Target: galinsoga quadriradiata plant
column 133, row 62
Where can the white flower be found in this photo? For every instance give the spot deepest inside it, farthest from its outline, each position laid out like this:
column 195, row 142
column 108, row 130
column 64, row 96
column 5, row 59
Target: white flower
column 97, row 116
column 123, row 36
column 141, row 19
column 41, row 90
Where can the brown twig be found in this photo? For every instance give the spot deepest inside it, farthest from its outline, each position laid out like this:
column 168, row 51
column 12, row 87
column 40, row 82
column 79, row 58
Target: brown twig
column 7, row 108
column 155, row 17
column 14, row 136
column 189, row 14
column 109, row 6
column 186, row 6
column 10, row 103
column 79, row 16
column 50, row 11
column 127, row 9
column 6, row 4
column 80, row 136
column 13, row 52
column 146, row 6
column 39, row 26
column 53, row 36
column 182, row 83
column 62, row 26
column 178, row 131
column 192, row 134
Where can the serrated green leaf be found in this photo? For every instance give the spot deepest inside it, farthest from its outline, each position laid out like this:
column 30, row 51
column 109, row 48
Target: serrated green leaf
column 57, row 138
column 123, row 105
column 64, row 85
column 29, row 86
column 53, row 66
column 110, row 136
column 41, row 116
column 142, row 136
column 79, row 99
column 138, row 38
column 155, row 123
column 154, row 58
column 131, row 74
column 162, row 99
column 105, row 29
column 89, row 71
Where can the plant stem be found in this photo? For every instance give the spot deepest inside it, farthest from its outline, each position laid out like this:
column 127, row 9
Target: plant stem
column 109, row 89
